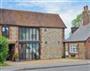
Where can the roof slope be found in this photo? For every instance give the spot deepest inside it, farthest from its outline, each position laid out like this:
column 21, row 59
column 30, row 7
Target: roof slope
column 81, row 34
column 33, row 19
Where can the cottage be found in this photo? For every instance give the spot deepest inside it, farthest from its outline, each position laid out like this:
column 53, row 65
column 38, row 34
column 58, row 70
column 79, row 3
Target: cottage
column 32, row 35
column 78, row 44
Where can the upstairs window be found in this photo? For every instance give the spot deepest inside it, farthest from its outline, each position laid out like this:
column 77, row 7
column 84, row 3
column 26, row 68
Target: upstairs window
column 5, row 31
column 29, row 34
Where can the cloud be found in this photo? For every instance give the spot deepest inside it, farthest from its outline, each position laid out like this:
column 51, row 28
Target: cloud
column 67, row 9
column 67, row 17
column 46, row 0
column 66, row 12
column 38, row 0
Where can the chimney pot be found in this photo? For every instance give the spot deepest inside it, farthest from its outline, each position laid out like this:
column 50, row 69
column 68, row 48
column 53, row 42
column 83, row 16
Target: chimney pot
column 86, row 8
column 85, row 15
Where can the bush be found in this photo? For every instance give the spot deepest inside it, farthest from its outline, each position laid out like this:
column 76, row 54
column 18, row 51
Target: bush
column 3, row 49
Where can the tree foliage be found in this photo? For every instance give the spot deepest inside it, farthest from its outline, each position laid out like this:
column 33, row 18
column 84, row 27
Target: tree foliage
column 77, row 21
column 3, row 49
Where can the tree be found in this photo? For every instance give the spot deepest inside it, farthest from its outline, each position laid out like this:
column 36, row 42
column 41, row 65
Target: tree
column 77, row 21
column 3, row 49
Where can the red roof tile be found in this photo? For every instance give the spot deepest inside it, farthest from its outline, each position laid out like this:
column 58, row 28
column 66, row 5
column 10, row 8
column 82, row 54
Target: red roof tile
column 32, row 19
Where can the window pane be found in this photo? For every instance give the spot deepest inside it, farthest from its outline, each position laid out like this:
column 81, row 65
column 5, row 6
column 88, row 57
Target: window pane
column 73, row 48
column 5, row 30
column 27, row 37
column 37, row 34
column 34, row 33
column 29, row 34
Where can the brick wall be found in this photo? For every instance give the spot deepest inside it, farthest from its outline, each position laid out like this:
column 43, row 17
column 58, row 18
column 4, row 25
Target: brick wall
column 81, row 50
column 51, row 43
column 13, row 33
column 66, row 49
column 88, row 49
column 86, row 19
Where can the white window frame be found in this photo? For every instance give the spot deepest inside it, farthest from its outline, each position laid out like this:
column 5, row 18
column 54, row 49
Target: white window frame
column 73, row 49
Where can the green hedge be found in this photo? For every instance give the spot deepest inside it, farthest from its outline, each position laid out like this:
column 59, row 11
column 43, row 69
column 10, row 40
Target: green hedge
column 3, row 49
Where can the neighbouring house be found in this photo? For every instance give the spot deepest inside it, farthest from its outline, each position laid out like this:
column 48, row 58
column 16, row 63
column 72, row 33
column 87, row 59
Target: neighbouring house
column 73, row 29
column 32, row 35
column 78, row 44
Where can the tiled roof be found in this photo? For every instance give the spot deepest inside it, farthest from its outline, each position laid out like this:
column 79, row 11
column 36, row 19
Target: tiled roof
column 32, row 19
column 81, row 34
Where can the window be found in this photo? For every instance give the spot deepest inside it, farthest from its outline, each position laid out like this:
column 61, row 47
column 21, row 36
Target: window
column 29, row 34
column 35, row 34
column 73, row 48
column 30, row 51
column 30, row 38
column 5, row 30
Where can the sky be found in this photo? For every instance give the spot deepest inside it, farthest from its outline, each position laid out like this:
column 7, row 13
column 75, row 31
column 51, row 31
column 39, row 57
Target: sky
column 67, row 9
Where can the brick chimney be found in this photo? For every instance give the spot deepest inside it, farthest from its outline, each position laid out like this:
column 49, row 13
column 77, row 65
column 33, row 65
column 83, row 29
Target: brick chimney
column 73, row 29
column 85, row 16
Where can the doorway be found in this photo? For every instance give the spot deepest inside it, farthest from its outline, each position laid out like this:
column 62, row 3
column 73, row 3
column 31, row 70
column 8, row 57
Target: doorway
column 10, row 51
column 30, row 51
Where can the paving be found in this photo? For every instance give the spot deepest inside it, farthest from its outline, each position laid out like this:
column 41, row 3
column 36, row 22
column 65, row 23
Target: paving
column 40, row 64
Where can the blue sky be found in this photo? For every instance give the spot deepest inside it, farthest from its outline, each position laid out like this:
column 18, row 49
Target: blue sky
column 67, row 9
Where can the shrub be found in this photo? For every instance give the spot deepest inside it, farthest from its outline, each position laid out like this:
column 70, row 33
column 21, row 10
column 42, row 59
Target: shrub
column 3, row 49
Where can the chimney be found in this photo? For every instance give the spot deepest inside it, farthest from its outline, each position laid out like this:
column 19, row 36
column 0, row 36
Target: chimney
column 85, row 16
column 73, row 29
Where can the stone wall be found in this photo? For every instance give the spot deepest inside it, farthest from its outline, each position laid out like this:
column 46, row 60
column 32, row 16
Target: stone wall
column 13, row 38
column 81, row 50
column 51, row 43
column 13, row 33
column 66, row 49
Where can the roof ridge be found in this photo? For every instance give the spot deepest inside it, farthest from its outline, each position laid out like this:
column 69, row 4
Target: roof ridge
column 24, row 18
column 29, row 11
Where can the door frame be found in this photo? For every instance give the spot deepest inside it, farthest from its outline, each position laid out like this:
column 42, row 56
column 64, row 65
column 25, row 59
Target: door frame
column 11, row 50
column 24, row 45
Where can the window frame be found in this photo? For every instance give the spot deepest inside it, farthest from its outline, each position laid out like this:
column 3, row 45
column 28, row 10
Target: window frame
column 73, row 48
column 32, row 33
column 3, row 33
